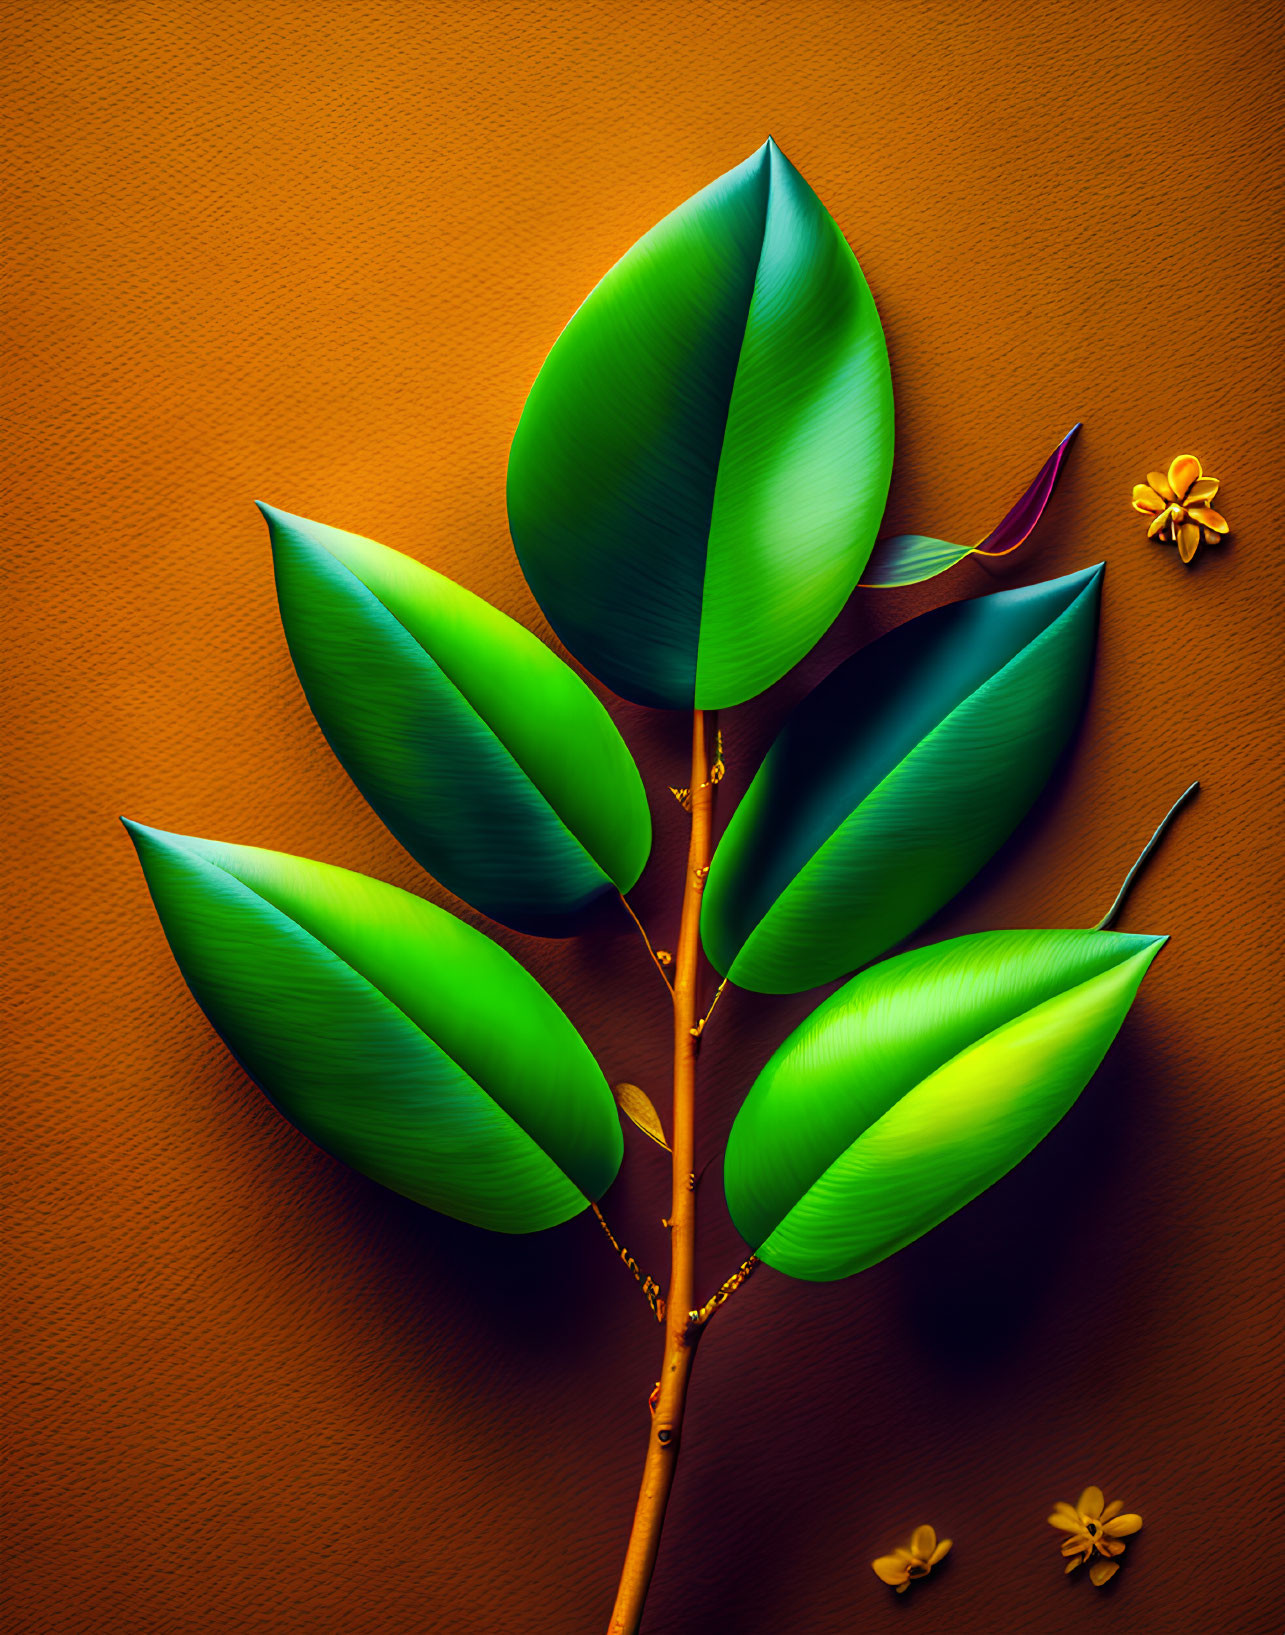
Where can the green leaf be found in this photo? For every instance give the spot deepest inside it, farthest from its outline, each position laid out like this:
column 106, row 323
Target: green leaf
column 701, row 466
column 484, row 753
column 916, row 1086
column 393, row 1035
column 893, row 782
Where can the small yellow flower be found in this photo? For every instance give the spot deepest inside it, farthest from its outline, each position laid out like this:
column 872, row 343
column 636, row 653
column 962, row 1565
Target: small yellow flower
column 1095, row 1529
column 1178, row 506
column 918, row 1561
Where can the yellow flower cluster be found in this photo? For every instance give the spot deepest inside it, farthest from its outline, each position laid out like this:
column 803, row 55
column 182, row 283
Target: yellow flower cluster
column 903, row 1566
column 1096, row 1530
column 1177, row 504
column 1096, row 1534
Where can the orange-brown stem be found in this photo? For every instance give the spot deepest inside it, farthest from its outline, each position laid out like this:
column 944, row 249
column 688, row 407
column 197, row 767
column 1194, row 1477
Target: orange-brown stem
column 681, row 1334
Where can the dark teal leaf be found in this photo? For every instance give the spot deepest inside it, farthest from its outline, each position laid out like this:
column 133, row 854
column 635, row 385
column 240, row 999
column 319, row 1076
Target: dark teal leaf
column 483, row 752
column 893, row 782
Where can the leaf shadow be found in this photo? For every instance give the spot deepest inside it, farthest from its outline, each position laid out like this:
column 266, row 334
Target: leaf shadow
column 533, row 1296
column 970, row 1291
column 979, row 1304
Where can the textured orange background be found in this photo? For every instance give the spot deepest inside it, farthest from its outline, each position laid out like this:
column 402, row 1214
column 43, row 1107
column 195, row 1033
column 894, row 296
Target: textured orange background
column 314, row 253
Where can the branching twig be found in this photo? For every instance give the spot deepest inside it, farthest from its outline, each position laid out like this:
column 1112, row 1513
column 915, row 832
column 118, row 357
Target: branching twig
column 700, row 1026
column 651, row 1290
column 1105, row 922
column 698, row 1319
column 656, row 959
column 717, row 772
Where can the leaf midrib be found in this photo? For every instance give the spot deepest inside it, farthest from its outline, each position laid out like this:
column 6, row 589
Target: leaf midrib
column 974, row 1044
column 468, row 705
column 289, row 920
column 769, row 149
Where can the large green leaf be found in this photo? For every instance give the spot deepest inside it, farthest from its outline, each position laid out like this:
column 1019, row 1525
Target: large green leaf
column 700, row 469
column 484, row 753
column 917, row 1085
column 892, row 783
column 395, row 1036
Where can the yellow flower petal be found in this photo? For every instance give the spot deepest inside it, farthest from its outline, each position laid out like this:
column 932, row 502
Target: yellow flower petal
column 1146, row 499
column 890, row 1570
column 1100, row 1571
column 1204, row 489
column 1073, row 1546
column 1208, row 519
column 1121, row 1526
column 1072, row 1565
column 1161, row 486
column 1182, row 473
column 1089, row 1503
column 943, row 1549
column 1188, row 539
column 924, row 1542
column 902, row 1588
column 1113, row 1509
column 1161, row 522
column 1208, row 536
column 1068, row 1524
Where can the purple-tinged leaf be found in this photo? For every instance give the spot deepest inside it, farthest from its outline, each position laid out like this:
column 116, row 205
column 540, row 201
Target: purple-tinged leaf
column 908, row 559
column 1019, row 522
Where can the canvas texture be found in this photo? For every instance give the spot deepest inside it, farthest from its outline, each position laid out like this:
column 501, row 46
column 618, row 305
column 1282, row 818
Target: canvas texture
column 314, row 255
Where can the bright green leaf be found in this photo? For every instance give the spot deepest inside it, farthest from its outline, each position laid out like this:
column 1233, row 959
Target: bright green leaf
column 701, row 466
column 392, row 1034
column 916, row 1086
column 893, row 782
column 484, row 753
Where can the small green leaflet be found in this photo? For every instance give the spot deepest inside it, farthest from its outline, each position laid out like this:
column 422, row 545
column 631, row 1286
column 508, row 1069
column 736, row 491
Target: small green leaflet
column 908, row 559
column 916, row 1086
column 893, row 782
column 392, row 1034
column 703, row 461
column 483, row 752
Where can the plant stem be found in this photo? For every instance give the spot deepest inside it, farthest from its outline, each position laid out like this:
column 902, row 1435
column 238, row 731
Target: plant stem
column 681, row 1334
column 1107, row 919
column 655, row 957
